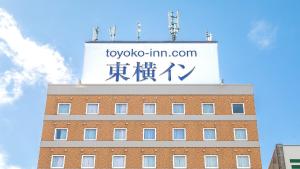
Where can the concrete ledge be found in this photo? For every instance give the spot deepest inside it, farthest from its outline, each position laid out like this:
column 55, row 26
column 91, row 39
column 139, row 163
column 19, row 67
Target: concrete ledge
column 150, row 117
column 106, row 144
column 205, row 89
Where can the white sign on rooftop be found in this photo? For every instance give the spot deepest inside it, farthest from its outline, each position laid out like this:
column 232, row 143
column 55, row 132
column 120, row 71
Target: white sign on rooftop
column 150, row 63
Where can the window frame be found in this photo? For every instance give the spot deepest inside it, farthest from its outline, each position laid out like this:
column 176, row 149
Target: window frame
column 112, row 161
column 173, row 129
column 60, row 139
column 149, row 139
column 84, row 131
column 206, row 164
column 60, row 103
column 120, row 139
column 121, row 113
column 210, row 139
column 88, row 156
column 214, row 109
column 238, row 113
column 246, row 131
column 51, row 163
column 143, row 164
column 180, row 113
column 238, row 163
column 86, row 108
column 185, row 159
column 144, row 108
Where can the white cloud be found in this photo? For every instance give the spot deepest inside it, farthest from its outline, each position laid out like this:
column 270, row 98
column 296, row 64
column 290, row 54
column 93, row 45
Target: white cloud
column 4, row 164
column 262, row 33
column 31, row 62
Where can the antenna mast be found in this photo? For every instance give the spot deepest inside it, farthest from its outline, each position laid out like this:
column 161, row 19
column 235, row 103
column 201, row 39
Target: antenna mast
column 173, row 24
column 95, row 33
column 209, row 36
column 112, row 32
column 138, row 30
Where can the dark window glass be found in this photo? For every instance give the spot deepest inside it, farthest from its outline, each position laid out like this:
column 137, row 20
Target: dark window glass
column 237, row 108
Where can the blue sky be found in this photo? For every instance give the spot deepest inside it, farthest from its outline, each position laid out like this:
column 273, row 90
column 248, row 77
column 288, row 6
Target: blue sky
column 258, row 44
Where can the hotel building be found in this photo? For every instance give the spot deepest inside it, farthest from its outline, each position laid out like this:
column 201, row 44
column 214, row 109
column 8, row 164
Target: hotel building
column 163, row 126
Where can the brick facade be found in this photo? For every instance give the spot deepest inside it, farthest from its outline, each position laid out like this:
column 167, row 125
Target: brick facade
column 164, row 155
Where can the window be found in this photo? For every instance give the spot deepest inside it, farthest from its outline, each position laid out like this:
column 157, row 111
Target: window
column 118, row 161
column 211, row 161
column 240, row 134
column 178, row 108
column 121, row 108
column 208, row 108
column 243, row 161
column 63, row 108
column 149, row 133
column 209, row 134
column 120, row 134
column 61, row 134
column 149, row 161
column 92, row 108
column 88, row 161
column 90, row 134
column 149, row 108
column 58, row 161
column 178, row 134
column 238, row 108
column 179, row 161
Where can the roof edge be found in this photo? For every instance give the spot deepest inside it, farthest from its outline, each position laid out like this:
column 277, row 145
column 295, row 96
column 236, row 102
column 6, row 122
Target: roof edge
column 150, row 89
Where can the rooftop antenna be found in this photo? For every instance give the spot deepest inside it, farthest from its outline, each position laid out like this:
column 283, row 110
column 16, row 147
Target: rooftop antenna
column 173, row 24
column 209, row 36
column 222, row 81
column 112, row 32
column 95, row 33
column 139, row 30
